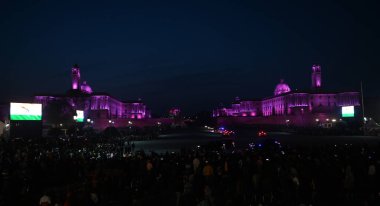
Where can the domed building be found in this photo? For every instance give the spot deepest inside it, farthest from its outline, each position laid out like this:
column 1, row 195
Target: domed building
column 281, row 88
column 315, row 106
column 85, row 88
column 97, row 106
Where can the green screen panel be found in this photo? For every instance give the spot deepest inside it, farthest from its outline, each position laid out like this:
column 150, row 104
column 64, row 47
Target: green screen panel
column 25, row 117
column 348, row 111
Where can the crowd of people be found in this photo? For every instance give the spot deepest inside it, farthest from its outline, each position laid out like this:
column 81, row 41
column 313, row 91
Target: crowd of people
column 107, row 171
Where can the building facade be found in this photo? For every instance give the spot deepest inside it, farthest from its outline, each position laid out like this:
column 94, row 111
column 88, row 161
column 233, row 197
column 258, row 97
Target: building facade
column 96, row 105
column 303, row 108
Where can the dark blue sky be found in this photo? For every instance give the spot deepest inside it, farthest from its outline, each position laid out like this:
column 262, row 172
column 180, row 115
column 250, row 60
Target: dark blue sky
column 191, row 54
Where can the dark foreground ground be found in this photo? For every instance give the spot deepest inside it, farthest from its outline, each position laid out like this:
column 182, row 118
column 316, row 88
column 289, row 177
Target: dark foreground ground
column 192, row 168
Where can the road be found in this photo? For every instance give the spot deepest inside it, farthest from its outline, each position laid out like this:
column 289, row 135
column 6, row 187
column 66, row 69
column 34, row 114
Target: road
column 191, row 139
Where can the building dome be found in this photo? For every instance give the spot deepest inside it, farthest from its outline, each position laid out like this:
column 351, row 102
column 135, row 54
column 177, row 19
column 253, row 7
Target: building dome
column 86, row 88
column 281, row 88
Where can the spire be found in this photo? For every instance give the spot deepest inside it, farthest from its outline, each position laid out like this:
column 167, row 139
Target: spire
column 316, row 77
column 75, row 77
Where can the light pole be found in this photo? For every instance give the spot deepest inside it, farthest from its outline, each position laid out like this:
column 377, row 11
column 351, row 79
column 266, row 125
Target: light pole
column 362, row 95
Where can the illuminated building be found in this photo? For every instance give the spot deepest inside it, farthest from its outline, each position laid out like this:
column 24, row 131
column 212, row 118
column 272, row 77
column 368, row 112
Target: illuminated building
column 96, row 105
column 297, row 107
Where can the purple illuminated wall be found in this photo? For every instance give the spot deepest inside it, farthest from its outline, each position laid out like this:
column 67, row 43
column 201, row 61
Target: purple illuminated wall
column 118, row 109
column 99, row 104
column 249, row 108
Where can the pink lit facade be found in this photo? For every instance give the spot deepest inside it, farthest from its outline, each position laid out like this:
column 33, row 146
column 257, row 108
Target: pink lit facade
column 94, row 104
column 286, row 106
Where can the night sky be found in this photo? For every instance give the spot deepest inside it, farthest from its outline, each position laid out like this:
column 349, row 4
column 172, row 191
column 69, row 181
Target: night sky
column 190, row 54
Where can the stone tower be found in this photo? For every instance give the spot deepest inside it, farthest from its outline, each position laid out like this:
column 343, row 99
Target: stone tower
column 316, row 77
column 75, row 76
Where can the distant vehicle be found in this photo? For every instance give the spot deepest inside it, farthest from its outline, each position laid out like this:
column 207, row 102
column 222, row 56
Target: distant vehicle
column 224, row 131
column 262, row 133
column 228, row 133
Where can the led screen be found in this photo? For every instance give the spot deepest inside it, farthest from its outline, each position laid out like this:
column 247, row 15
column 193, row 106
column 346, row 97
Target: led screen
column 26, row 111
column 348, row 111
column 80, row 115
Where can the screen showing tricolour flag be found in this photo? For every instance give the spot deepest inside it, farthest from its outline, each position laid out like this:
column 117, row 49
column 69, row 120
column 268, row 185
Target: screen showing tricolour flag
column 26, row 111
column 80, row 115
column 348, row 111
